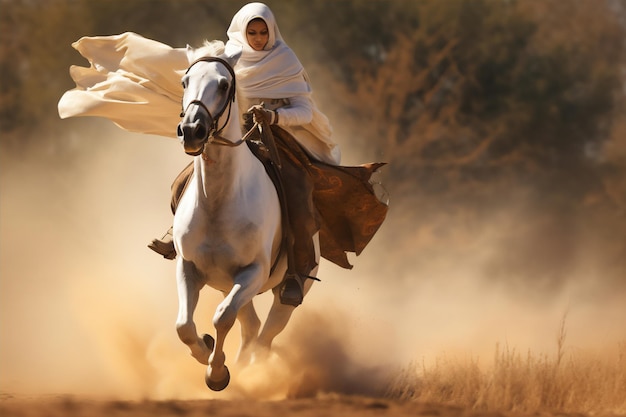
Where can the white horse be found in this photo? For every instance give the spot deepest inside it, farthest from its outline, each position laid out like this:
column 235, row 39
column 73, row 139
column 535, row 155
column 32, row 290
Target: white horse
column 227, row 227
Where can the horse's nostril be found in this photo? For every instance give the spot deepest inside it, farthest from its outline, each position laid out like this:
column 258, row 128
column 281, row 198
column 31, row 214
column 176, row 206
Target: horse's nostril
column 200, row 132
column 179, row 131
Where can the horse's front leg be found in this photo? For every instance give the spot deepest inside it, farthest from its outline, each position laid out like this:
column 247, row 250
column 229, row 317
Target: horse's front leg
column 189, row 286
column 247, row 283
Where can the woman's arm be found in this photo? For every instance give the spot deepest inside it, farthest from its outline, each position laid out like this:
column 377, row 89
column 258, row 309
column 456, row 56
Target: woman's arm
column 298, row 112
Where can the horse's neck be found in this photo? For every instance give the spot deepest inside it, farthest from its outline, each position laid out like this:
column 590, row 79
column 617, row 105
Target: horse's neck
column 223, row 169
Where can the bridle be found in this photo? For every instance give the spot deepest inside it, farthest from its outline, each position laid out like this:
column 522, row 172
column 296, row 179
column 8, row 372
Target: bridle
column 213, row 133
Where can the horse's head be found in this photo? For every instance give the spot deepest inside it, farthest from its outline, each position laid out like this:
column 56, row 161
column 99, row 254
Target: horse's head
column 209, row 93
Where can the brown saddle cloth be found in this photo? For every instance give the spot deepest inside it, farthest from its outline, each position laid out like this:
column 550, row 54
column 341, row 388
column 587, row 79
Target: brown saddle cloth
column 337, row 201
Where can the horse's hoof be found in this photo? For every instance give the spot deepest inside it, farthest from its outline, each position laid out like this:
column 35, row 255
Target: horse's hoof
column 218, row 385
column 209, row 342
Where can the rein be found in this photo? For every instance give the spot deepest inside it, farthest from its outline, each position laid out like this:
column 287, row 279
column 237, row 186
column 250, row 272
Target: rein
column 213, row 134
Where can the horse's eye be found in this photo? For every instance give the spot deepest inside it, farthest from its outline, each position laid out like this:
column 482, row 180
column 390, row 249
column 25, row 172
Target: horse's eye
column 184, row 82
column 223, row 85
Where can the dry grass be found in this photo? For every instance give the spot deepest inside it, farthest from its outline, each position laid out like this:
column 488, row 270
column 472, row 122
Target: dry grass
column 578, row 382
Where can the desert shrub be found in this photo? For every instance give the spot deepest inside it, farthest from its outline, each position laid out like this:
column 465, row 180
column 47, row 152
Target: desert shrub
column 581, row 382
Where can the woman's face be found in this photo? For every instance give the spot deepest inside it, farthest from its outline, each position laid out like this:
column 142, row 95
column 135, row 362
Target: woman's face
column 257, row 34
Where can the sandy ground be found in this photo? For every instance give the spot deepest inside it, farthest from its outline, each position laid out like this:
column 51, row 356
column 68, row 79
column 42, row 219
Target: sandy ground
column 327, row 405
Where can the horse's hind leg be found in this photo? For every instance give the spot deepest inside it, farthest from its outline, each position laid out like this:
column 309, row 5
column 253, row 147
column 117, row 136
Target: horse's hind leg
column 188, row 293
column 250, row 325
column 279, row 313
column 277, row 320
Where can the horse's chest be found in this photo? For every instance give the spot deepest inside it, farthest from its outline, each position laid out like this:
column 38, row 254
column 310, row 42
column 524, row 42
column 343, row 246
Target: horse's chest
column 220, row 242
column 229, row 231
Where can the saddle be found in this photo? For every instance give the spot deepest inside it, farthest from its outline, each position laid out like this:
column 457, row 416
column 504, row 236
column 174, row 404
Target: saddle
column 336, row 201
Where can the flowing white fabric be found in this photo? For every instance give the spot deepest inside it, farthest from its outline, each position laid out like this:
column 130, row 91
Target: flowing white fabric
column 135, row 82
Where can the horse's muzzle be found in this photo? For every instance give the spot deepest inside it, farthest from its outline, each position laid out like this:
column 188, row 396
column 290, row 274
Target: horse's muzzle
column 193, row 136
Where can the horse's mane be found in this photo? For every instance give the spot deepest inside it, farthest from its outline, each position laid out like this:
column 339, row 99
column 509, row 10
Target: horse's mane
column 209, row 48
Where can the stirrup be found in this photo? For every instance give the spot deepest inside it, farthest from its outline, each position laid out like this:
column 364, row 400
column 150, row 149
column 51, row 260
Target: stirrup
column 292, row 291
column 164, row 246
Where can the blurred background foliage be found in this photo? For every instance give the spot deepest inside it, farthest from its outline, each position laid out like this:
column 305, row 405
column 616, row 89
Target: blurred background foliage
column 483, row 108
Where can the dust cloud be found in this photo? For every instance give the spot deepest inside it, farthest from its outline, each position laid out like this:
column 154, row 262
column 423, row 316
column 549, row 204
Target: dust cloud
column 87, row 310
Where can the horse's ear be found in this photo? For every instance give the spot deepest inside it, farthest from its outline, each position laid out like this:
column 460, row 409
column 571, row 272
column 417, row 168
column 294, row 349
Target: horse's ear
column 232, row 53
column 190, row 53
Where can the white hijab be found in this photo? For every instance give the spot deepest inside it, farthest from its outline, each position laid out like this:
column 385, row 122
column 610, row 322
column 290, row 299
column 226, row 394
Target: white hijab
column 274, row 72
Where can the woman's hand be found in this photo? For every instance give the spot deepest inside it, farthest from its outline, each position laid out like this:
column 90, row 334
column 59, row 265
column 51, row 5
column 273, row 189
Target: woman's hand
column 262, row 115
